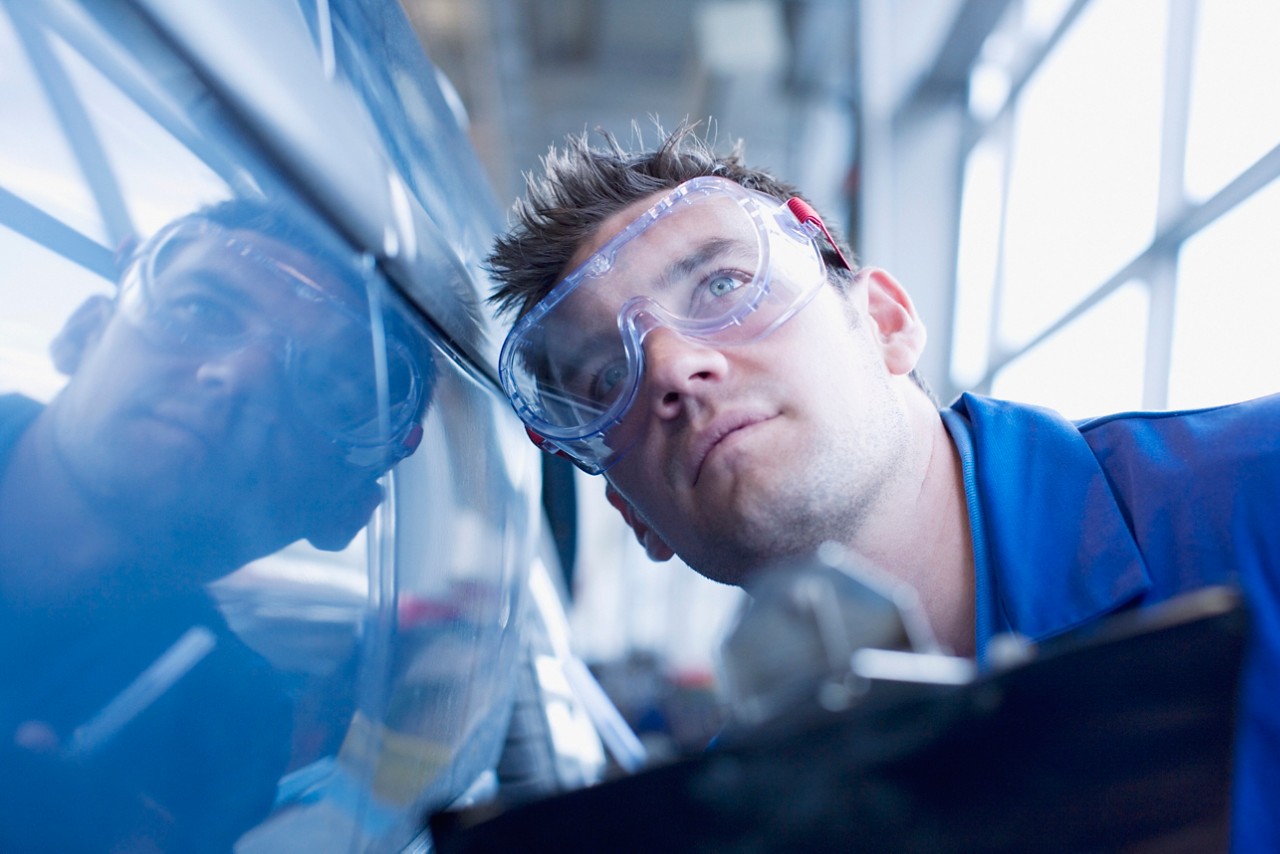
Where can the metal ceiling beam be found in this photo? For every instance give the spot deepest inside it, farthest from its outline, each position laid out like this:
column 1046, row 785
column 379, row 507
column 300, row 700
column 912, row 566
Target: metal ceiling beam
column 948, row 76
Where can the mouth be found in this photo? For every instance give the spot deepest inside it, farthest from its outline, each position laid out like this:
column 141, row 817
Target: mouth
column 711, row 437
column 191, row 427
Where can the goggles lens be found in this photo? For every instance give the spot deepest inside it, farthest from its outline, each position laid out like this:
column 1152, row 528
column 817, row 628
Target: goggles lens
column 710, row 260
column 200, row 289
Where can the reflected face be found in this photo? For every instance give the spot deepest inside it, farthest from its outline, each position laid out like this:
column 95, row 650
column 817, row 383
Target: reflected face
column 224, row 393
column 752, row 452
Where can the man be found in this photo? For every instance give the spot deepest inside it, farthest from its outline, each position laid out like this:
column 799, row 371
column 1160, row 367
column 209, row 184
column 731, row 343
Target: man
column 747, row 402
column 224, row 404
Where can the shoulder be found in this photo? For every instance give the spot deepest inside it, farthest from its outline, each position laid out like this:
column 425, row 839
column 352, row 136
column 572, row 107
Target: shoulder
column 1260, row 412
column 1249, row 429
column 1235, row 435
column 1226, row 455
column 16, row 405
column 16, row 412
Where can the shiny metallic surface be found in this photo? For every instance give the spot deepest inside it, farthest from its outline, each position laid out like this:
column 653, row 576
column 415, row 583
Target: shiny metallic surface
column 219, row 630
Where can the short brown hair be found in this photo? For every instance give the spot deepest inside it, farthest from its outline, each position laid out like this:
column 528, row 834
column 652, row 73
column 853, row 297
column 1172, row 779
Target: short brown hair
column 582, row 186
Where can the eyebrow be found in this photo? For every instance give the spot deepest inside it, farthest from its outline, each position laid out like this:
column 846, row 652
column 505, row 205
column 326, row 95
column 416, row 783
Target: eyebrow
column 712, row 247
column 206, row 280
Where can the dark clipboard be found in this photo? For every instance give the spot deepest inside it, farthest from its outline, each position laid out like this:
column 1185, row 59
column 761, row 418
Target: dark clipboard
column 1115, row 739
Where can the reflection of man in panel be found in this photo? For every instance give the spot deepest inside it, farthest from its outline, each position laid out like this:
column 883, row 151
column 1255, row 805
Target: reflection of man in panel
column 225, row 404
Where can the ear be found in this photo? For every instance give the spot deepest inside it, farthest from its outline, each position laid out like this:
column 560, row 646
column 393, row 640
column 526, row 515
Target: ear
column 654, row 545
column 80, row 332
column 898, row 329
column 333, row 529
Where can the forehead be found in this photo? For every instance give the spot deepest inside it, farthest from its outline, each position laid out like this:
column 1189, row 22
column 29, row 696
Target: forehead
column 281, row 280
column 716, row 214
column 612, row 226
column 690, row 223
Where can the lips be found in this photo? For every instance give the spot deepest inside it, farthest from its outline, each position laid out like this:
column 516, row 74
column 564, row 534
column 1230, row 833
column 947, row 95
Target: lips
column 185, row 426
column 205, row 425
column 713, row 434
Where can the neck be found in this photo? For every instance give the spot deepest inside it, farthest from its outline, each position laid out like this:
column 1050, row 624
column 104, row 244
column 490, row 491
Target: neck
column 923, row 536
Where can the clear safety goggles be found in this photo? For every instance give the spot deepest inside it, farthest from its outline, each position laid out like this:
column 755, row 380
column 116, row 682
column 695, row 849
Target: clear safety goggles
column 710, row 260
column 197, row 288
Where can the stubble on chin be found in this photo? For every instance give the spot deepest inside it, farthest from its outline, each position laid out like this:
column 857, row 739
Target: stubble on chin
column 792, row 516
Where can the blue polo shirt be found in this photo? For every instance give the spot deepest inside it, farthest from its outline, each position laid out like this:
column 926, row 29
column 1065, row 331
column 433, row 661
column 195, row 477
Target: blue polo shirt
column 1073, row 521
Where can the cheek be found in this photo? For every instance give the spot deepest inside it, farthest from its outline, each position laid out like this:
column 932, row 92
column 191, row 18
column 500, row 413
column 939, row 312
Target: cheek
column 299, row 454
column 636, row 478
column 626, row 476
column 840, row 345
column 100, row 400
column 828, row 321
column 296, row 491
column 111, row 372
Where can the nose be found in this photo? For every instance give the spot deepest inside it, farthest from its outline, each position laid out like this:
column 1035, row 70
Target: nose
column 678, row 370
column 240, row 371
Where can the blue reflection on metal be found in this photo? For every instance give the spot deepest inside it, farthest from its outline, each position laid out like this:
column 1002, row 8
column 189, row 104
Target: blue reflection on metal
column 262, row 547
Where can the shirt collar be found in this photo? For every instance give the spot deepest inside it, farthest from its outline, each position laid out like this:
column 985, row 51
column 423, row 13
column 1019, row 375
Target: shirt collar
column 1051, row 545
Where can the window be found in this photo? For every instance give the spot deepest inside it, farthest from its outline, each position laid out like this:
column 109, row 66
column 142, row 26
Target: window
column 1085, row 171
column 1113, row 241
column 981, row 215
column 1225, row 346
column 1091, row 366
column 1234, row 117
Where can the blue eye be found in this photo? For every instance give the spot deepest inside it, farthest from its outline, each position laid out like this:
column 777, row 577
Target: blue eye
column 607, row 380
column 721, row 284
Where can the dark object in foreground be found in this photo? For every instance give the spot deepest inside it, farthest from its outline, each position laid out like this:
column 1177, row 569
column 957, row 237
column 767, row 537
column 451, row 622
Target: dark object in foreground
column 1118, row 739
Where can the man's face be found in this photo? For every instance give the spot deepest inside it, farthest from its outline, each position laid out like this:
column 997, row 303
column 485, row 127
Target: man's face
column 753, row 452
column 694, row 266
column 184, row 408
column 710, row 260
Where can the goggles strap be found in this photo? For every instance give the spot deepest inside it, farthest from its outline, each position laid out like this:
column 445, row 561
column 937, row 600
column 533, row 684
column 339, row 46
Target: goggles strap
column 804, row 212
column 542, row 443
column 412, row 440
column 546, row 445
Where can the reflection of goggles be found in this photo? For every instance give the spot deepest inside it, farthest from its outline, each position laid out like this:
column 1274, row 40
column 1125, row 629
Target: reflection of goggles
column 710, row 260
column 196, row 287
